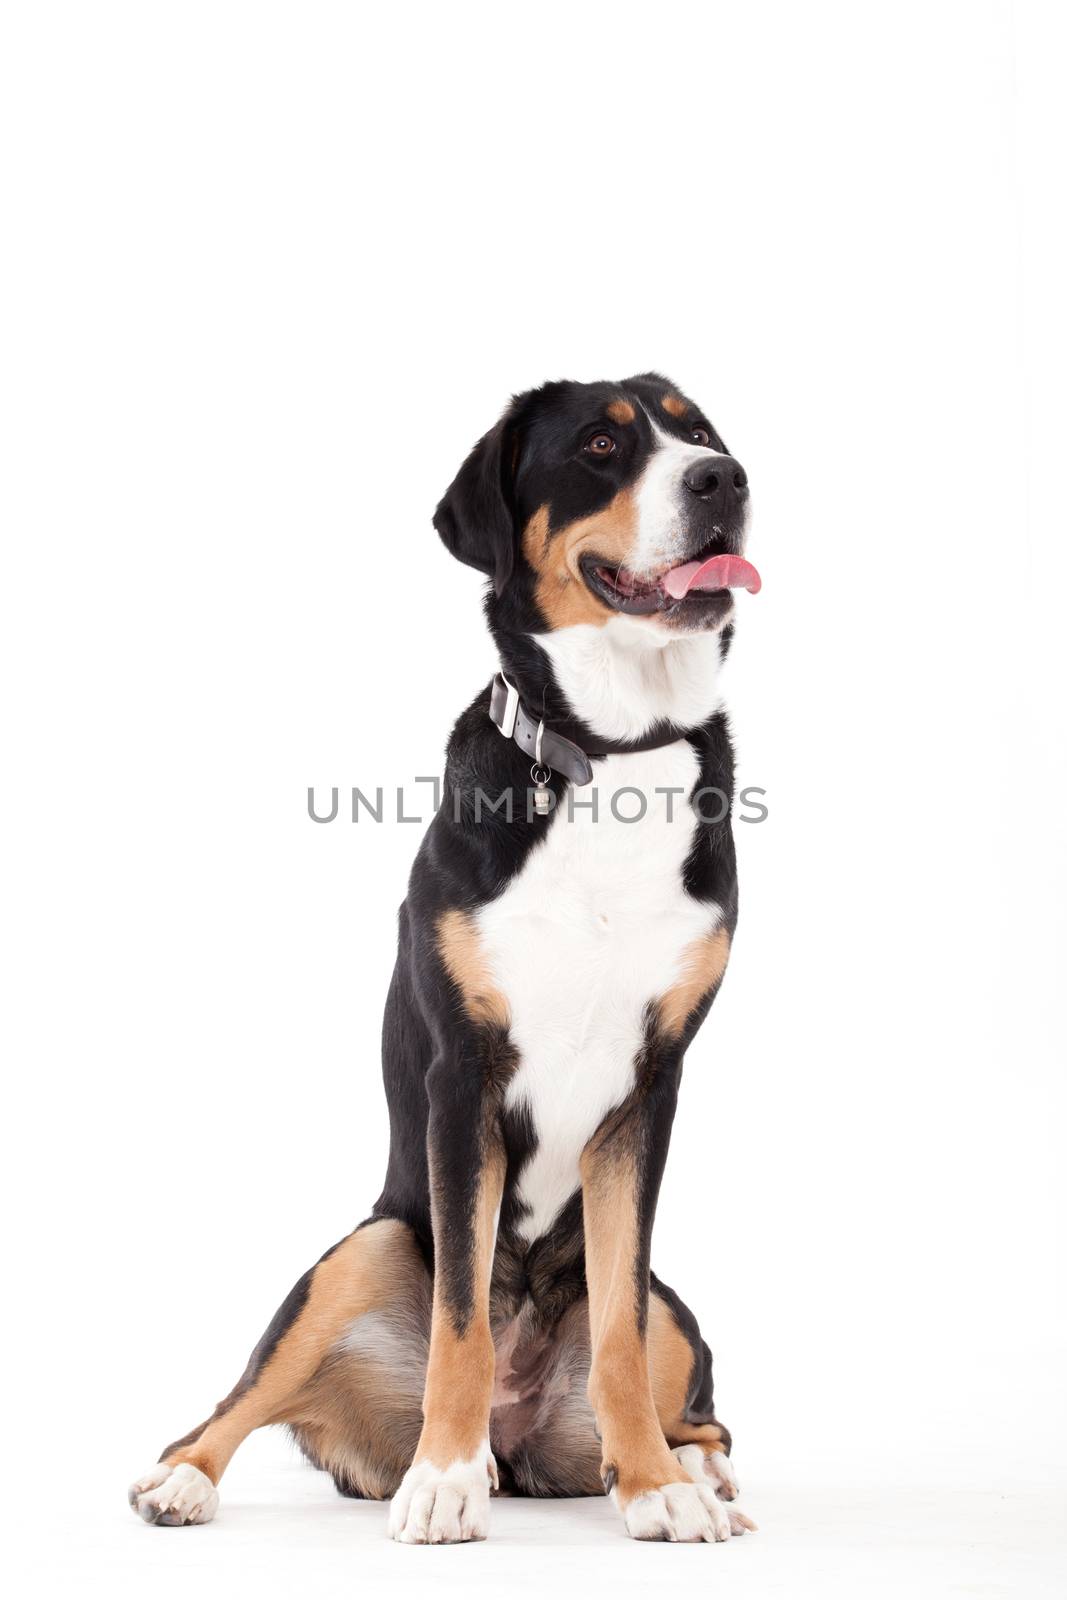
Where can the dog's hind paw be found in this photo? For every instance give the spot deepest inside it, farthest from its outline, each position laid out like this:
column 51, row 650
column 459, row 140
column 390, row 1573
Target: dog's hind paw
column 174, row 1497
column 712, row 1466
column 712, row 1469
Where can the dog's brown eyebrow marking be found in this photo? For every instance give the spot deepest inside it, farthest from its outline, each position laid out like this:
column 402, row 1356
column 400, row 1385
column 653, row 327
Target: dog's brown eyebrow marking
column 621, row 411
column 674, row 405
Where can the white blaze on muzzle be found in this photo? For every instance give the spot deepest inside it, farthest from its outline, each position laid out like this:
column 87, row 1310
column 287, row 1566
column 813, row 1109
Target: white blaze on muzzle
column 664, row 535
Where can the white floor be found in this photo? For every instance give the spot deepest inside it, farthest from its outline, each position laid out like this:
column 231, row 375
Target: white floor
column 283, row 1530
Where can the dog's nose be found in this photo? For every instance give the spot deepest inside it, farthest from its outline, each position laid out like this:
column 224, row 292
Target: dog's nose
column 720, row 480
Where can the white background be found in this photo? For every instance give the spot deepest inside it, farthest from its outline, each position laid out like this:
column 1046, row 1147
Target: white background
column 270, row 270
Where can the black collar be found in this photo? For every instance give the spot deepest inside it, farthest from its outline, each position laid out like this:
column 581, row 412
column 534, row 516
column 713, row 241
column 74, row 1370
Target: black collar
column 550, row 749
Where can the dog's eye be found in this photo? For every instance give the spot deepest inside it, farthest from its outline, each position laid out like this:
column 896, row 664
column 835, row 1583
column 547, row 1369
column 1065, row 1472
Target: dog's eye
column 701, row 436
column 601, row 444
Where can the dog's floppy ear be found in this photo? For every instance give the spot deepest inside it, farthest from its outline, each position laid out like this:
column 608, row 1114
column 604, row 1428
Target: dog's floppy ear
column 474, row 517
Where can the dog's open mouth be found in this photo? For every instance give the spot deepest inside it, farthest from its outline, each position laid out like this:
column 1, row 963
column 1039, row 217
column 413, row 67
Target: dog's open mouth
column 673, row 587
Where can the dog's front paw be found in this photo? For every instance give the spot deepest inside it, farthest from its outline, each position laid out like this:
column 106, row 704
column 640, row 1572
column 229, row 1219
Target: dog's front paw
column 681, row 1512
column 684, row 1513
column 174, row 1496
column 444, row 1505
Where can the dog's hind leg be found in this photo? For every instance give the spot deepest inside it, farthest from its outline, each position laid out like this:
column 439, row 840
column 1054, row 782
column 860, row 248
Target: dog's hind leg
column 358, row 1276
column 680, row 1370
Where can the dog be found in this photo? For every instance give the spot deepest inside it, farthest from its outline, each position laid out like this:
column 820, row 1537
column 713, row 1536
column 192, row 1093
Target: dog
column 495, row 1324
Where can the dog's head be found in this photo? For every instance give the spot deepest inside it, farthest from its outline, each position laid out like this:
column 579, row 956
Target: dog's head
column 588, row 501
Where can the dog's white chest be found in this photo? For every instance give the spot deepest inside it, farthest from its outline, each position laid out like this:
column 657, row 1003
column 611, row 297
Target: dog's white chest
column 591, row 931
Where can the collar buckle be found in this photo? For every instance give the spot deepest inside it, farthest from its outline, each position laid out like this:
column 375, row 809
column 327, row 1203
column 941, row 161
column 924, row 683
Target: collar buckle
column 510, row 713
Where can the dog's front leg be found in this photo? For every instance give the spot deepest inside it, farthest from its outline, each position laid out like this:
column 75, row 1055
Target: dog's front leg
column 621, row 1171
column 444, row 1497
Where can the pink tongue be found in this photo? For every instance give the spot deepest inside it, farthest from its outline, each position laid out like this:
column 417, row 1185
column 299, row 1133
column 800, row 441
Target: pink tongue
column 720, row 572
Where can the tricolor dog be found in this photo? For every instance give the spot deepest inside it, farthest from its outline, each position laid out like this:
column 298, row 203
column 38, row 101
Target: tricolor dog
column 495, row 1324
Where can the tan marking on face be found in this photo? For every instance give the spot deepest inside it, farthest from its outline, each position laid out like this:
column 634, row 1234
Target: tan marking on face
column 460, row 945
column 459, row 1376
column 562, row 594
column 620, row 1382
column 621, row 411
column 703, row 964
column 360, row 1275
column 673, row 405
